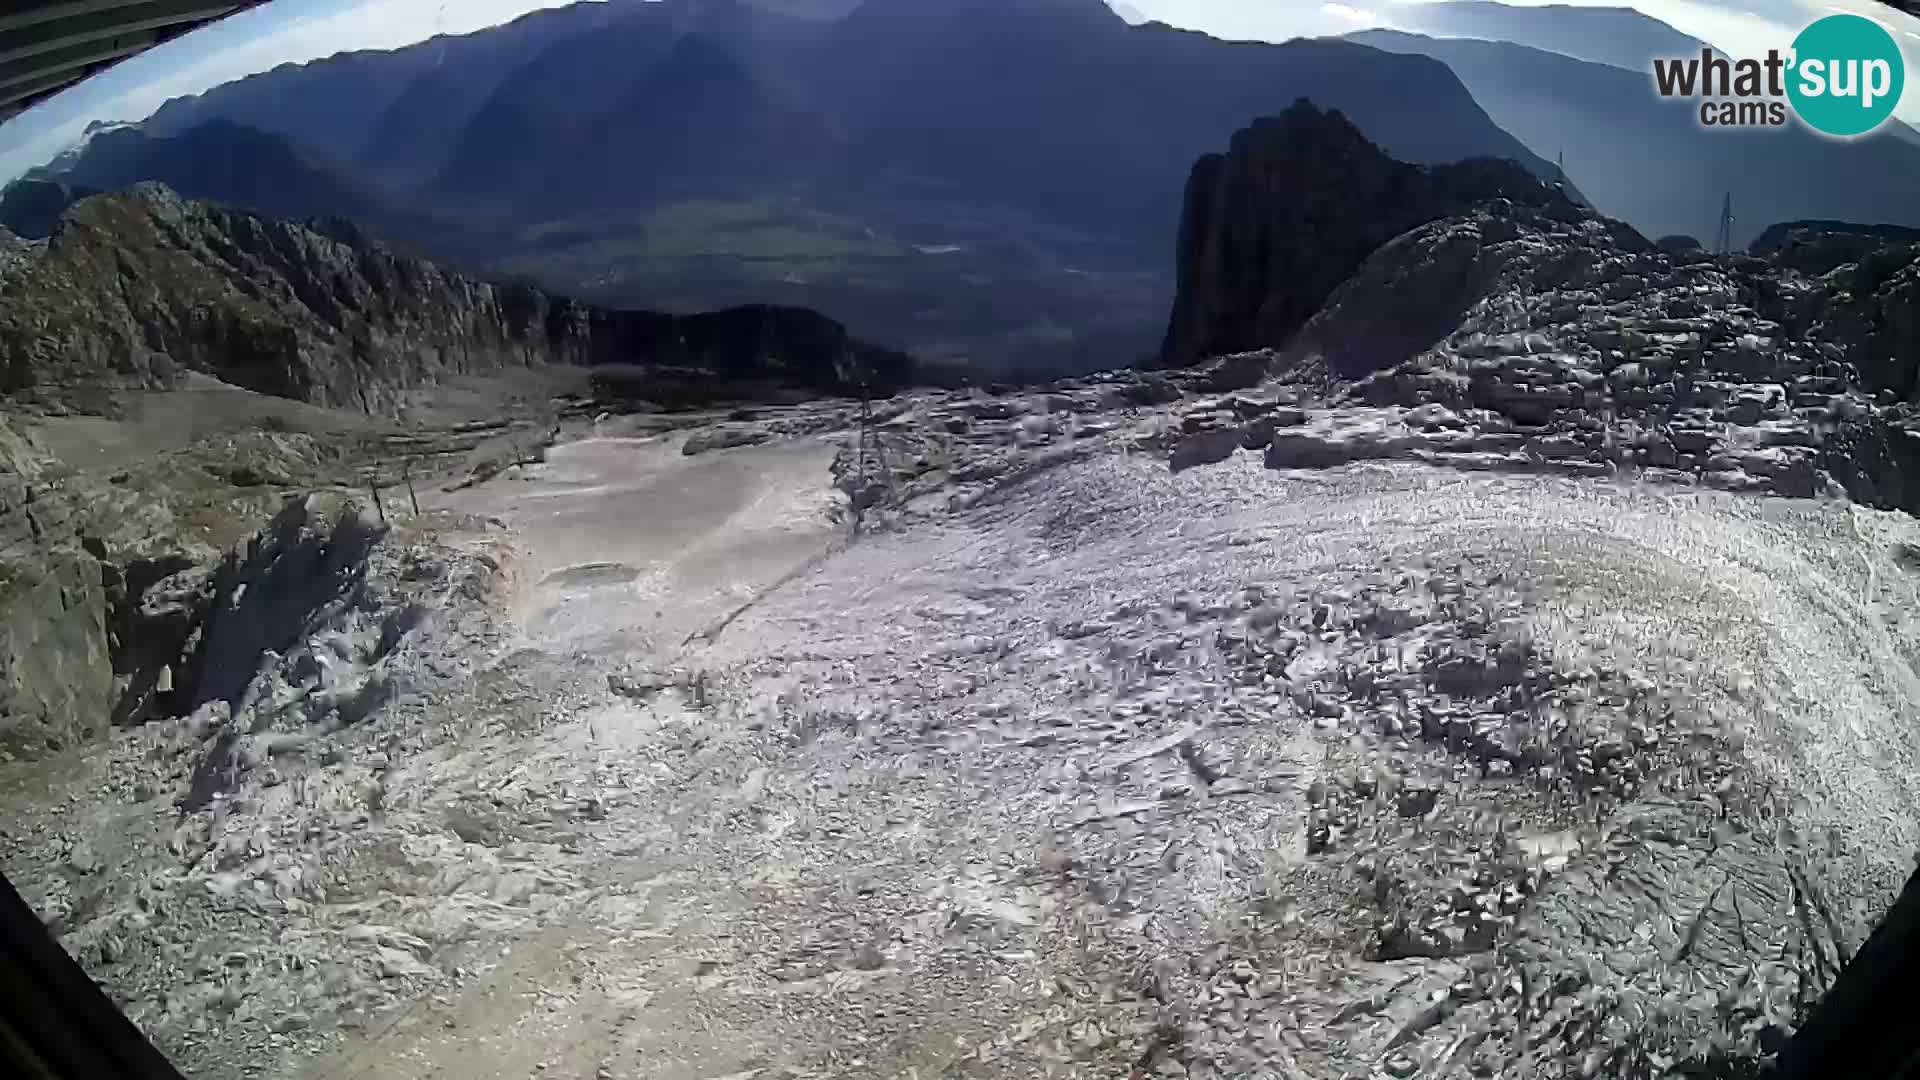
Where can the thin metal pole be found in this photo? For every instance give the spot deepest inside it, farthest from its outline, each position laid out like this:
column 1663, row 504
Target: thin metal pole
column 406, row 473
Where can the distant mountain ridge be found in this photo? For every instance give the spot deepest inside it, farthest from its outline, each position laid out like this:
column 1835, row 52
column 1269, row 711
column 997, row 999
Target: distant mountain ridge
column 1647, row 160
column 1621, row 37
column 228, row 162
column 591, row 145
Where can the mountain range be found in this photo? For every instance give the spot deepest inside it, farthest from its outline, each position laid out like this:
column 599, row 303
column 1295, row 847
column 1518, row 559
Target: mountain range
column 1648, row 160
column 1083, row 118
column 978, row 179
column 992, row 183
column 246, row 166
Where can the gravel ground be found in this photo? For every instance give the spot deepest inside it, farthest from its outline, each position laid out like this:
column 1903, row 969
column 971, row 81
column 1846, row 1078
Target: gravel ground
column 1378, row 770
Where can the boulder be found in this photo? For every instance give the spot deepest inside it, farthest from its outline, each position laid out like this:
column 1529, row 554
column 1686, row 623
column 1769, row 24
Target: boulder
column 723, row 438
column 1411, row 292
column 1208, row 447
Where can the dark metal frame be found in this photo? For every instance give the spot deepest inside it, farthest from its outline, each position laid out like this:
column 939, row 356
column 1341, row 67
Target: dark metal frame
column 48, row 45
column 55, row 1022
column 1865, row 1027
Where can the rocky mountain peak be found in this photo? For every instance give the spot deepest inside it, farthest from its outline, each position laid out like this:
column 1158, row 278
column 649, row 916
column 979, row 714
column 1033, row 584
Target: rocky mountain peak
column 1271, row 227
column 138, row 287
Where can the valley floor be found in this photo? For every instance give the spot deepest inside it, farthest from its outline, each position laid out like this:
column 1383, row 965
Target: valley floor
column 1113, row 772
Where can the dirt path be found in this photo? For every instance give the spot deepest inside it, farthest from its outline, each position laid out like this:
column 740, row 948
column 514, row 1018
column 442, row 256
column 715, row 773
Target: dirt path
column 632, row 547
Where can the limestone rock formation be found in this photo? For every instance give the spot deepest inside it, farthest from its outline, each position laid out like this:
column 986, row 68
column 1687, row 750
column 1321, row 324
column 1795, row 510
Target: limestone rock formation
column 1815, row 247
column 1274, row 225
column 1423, row 285
column 137, row 287
column 56, row 672
column 1550, row 338
column 1467, row 316
column 142, row 589
column 116, row 611
column 56, row 678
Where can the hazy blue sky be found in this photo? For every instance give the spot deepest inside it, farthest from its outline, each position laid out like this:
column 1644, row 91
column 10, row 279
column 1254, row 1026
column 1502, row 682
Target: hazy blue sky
column 1739, row 28
column 298, row 30
column 257, row 39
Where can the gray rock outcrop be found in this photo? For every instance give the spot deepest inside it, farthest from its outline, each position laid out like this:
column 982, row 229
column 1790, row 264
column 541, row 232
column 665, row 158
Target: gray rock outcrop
column 1535, row 334
column 1815, row 247
column 1274, row 225
column 56, row 671
column 137, row 287
column 1524, row 339
column 264, row 598
column 147, row 592
column 94, row 634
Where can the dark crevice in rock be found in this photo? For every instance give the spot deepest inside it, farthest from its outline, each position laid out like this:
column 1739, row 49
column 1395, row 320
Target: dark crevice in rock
column 154, row 607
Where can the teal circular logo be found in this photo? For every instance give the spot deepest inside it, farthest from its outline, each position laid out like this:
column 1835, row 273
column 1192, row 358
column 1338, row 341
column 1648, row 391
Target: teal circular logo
column 1846, row 75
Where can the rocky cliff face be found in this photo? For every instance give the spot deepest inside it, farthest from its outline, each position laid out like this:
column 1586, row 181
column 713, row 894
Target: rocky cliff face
column 1274, row 225
column 1422, row 286
column 114, row 611
column 1508, row 327
column 137, row 287
column 105, row 587
column 1865, row 314
column 1815, row 247
column 56, row 673
column 1549, row 338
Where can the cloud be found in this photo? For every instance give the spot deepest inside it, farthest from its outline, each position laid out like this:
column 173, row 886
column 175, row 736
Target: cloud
column 1351, row 14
